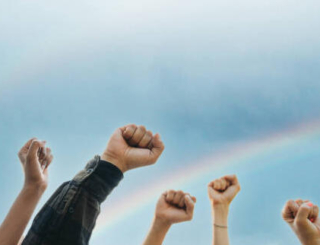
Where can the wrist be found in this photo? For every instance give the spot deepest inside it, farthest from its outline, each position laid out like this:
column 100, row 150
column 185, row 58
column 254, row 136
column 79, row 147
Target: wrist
column 113, row 161
column 161, row 224
column 34, row 188
column 220, row 214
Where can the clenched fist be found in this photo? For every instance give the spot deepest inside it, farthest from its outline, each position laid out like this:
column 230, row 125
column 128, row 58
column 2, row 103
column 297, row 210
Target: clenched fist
column 222, row 191
column 175, row 207
column 133, row 146
column 302, row 216
column 35, row 159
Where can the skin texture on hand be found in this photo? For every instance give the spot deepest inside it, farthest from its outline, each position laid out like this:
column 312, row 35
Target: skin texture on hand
column 133, row 146
column 35, row 159
column 302, row 217
column 172, row 207
column 32, row 157
column 175, row 207
column 221, row 192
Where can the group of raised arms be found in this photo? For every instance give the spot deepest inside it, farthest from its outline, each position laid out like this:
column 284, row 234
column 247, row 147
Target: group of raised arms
column 69, row 216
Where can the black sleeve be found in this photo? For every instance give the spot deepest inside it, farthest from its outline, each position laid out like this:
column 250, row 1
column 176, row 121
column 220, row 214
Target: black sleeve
column 70, row 214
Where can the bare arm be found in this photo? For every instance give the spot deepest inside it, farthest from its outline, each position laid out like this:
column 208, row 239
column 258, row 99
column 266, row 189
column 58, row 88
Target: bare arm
column 221, row 193
column 32, row 160
column 19, row 215
column 220, row 226
column 157, row 232
column 172, row 207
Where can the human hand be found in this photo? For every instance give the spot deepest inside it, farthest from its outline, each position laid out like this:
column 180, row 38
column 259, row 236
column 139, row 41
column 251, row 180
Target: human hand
column 35, row 159
column 222, row 191
column 174, row 207
column 133, row 146
column 302, row 217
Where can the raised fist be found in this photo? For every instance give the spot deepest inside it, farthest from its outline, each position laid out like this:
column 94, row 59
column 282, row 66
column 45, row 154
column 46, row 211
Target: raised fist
column 302, row 216
column 35, row 159
column 174, row 207
column 222, row 191
column 133, row 146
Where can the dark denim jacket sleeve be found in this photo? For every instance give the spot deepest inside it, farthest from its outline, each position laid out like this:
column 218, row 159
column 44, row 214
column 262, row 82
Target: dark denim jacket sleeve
column 70, row 214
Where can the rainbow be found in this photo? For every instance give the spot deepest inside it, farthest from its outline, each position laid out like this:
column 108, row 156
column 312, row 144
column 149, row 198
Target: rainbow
column 227, row 157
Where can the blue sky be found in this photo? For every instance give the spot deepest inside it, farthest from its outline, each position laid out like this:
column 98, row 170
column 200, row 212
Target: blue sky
column 205, row 74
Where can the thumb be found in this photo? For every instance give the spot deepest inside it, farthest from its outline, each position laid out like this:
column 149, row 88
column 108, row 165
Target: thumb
column 32, row 156
column 211, row 191
column 303, row 214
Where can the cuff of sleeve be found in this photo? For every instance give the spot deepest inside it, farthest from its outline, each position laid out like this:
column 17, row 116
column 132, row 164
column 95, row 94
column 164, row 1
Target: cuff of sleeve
column 103, row 179
column 105, row 169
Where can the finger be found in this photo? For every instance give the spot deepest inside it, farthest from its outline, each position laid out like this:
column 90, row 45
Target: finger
column 182, row 201
column 212, row 192
column 170, row 196
column 217, row 185
column 45, row 161
column 42, row 152
column 49, row 161
column 27, row 145
column 290, row 210
column 213, row 187
column 164, row 194
column 32, row 155
column 211, row 184
column 146, row 140
column 189, row 205
column 315, row 213
column 223, row 183
column 177, row 197
column 299, row 202
column 128, row 131
column 303, row 214
column 232, row 179
column 194, row 199
column 137, row 136
column 24, row 149
column 157, row 148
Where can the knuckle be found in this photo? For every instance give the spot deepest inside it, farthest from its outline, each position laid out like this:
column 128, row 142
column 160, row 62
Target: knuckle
column 289, row 203
column 171, row 191
column 36, row 143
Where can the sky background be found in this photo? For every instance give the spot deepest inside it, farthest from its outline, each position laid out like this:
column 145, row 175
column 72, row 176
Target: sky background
column 209, row 76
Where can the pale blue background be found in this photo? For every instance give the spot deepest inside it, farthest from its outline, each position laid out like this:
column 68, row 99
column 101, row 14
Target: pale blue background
column 205, row 74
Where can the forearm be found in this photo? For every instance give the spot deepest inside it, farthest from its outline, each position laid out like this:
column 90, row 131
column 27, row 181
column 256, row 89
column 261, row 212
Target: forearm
column 220, row 226
column 19, row 215
column 73, row 209
column 157, row 233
